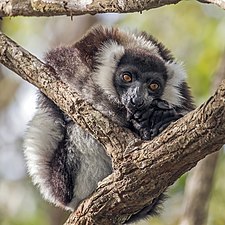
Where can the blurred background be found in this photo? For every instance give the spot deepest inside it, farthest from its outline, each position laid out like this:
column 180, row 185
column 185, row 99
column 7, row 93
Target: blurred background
column 194, row 32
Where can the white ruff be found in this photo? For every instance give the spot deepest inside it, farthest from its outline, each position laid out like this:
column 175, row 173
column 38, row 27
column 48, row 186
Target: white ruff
column 108, row 57
column 41, row 140
column 137, row 40
column 141, row 42
column 176, row 75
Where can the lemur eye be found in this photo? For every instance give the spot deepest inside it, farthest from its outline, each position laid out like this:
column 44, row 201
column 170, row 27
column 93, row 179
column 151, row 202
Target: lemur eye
column 127, row 77
column 153, row 86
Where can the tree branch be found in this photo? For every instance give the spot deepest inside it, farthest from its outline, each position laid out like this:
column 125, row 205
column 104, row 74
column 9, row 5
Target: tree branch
column 74, row 7
column 142, row 170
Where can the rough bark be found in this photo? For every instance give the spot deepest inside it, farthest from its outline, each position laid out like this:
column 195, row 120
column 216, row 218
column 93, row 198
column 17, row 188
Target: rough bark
column 142, row 170
column 74, row 7
column 200, row 181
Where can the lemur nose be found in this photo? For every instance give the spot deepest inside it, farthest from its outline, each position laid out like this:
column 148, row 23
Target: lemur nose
column 137, row 102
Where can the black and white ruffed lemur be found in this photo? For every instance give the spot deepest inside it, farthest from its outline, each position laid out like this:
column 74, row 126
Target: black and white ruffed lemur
column 129, row 77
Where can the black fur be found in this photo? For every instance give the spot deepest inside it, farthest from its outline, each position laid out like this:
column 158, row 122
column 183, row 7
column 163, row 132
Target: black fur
column 149, row 123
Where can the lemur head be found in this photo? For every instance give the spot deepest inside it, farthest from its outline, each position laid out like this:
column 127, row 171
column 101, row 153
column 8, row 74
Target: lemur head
column 136, row 69
column 139, row 79
column 116, row 70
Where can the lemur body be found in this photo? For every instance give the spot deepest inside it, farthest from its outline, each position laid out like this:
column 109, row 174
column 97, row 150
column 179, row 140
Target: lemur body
column 130, row 78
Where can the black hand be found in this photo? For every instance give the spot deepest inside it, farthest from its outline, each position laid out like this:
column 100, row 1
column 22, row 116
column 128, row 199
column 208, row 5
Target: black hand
column 156, row 123
column 162, row 125
column 140, row 121
column 150, row 130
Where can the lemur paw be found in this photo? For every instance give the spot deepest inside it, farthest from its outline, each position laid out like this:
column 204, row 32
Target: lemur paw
column 149, row 123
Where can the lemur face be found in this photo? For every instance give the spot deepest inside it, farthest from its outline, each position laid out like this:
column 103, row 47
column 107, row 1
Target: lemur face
column 139, row 80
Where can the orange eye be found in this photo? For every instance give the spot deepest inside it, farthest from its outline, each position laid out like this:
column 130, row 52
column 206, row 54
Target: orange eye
column 153, row 86
column 127, row 77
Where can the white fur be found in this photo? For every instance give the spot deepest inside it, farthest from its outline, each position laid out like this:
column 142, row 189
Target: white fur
column 95, row 165
column 108, row 57
column 176, row 75
column 141, row 42
column 41, row 140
